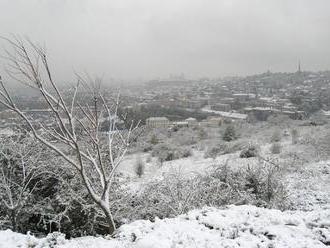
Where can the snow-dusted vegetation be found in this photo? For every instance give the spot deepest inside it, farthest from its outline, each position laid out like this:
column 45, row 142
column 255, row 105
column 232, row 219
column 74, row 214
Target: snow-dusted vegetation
column 162, row 203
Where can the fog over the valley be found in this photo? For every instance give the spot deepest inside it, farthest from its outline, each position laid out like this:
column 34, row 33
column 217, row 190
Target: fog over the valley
column 145, row 39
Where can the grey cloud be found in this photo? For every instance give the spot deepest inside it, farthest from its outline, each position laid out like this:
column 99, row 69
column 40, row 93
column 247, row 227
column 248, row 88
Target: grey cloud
column 150, row 38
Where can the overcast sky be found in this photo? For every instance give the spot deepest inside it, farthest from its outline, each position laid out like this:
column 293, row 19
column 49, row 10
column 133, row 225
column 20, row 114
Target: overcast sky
column 153, row 38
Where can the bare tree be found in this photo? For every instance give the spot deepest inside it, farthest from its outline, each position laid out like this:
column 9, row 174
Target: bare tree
column 75, row 135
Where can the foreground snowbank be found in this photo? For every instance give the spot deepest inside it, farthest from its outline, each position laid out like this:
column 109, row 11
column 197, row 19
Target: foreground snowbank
column 235, row 226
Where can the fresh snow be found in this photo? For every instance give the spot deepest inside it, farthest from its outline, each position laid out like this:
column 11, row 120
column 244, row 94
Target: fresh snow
column 309, row 187
column 234, row 226
column 308, row 226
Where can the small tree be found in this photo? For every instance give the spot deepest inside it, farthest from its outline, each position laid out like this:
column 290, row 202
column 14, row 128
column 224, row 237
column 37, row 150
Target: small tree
column 229, row 134
column 75, row 134
column 139, row 167
column 154, row 139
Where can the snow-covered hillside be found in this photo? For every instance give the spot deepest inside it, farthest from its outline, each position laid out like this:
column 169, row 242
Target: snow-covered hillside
column 307, row 184
column 234, row 226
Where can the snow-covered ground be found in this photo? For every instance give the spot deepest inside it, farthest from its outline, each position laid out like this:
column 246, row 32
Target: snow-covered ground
column 308, row 186
column 233, row 226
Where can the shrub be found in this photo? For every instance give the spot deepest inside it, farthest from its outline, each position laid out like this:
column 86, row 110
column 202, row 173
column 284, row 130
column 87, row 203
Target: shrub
column 202, row 134
column 260, row 180
column 294, row 136
column 186, row 140
column 213, row 152
column 163, row 152
column 223, row 148
column 250, row 151
column 167, row 152
column 185, row 153
column 264, row 181
column 146, row 147
column 175, row 194
column 139, row 167
column 154, row 140
column 276, row 148
column 229, row 134
column 322, row 146
column 276, row 136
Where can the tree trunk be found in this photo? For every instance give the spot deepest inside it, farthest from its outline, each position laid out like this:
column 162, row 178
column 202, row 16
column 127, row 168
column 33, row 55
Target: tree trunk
column 13, row 220
column 109, row 219
column 102, row 203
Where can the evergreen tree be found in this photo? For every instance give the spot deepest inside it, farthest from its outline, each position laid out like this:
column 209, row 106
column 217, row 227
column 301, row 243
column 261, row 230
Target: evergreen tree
column 229, row 134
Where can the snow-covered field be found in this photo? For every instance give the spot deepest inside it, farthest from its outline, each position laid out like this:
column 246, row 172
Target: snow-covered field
column 234, row 226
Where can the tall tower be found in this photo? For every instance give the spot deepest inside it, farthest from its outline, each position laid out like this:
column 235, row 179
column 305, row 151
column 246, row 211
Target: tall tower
column 299, row 68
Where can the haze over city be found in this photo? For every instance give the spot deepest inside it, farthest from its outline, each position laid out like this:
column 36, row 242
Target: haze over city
column 148, row 39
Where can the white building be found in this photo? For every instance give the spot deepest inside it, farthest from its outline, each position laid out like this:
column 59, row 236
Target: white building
column 157, row 122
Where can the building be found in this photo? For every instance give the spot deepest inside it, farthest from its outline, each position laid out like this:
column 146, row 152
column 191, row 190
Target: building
column 180, row 124
column 221, row 107
column 214, row 121
column 157, row 122
column 191, row 122
column 230, row 116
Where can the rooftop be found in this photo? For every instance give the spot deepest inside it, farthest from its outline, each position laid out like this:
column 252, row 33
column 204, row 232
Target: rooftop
column 227, row 114
column 157, row 119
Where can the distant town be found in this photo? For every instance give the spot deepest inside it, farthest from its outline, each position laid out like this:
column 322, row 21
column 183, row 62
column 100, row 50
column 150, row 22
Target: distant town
column 177, row 101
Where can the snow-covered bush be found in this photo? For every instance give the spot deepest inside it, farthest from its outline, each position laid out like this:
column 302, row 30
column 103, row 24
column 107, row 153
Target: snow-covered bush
column 175, row 194
column 28, row 181
column 202, row 134
column 168, row 152
column 185, row 137
column 264, row 182
column 39, row 193
column 229, row 134
column 154, row 140
column 145, row 147
column 163, row 152
column 213, row 152
column 252, row 150
column 276, row 148
column 223, row 148
column 322, row 146
column 139, row 167
column 276, row 136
